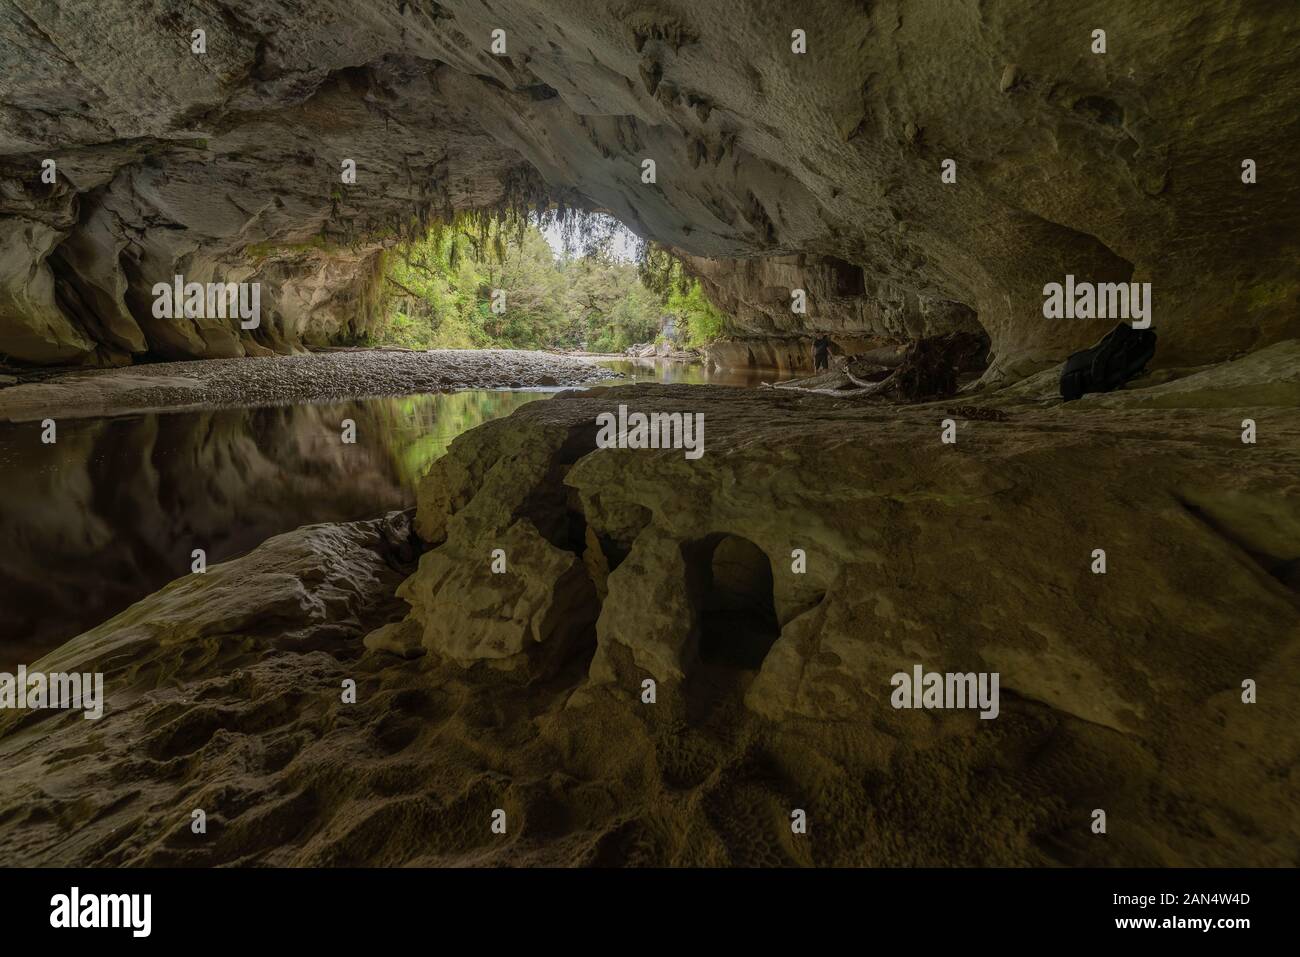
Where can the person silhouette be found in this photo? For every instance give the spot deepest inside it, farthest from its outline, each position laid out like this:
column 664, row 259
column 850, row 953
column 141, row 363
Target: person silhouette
column 821, row 352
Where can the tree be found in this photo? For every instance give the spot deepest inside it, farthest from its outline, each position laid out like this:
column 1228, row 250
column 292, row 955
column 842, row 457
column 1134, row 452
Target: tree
column 441, row 289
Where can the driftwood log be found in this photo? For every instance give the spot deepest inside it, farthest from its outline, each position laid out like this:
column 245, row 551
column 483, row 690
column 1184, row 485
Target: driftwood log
column 930, row 370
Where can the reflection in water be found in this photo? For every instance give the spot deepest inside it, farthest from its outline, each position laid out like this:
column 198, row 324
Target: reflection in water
column 688, row 373
column 113, row 510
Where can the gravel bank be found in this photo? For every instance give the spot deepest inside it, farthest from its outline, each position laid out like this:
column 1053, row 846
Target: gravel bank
column 277, row 380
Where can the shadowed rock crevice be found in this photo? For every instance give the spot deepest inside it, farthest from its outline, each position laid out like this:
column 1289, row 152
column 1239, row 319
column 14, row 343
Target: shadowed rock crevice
column 551, row 507
column 1259, row 526
column 730, row 583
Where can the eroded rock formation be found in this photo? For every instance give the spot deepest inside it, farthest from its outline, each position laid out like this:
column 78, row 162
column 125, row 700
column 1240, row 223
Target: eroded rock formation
column 521, row 686
column 820, row 170
column 522, row 689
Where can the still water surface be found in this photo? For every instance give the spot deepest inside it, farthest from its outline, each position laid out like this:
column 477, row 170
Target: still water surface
column 112, row 511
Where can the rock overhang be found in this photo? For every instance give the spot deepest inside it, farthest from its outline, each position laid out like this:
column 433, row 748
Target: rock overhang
column 774, row 169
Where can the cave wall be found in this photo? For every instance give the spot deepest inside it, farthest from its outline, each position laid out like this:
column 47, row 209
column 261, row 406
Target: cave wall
column 858, row 311
column 773, row 167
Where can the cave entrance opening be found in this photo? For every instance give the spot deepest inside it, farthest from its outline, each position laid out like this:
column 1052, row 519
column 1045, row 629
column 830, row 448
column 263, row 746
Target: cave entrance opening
column 535, row 273
column 736, row 610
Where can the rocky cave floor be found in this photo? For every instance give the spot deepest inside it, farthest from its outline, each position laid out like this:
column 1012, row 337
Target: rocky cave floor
column 523, row 691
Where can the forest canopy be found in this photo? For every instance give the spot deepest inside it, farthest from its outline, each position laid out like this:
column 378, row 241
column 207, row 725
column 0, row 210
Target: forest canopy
column 598, row 288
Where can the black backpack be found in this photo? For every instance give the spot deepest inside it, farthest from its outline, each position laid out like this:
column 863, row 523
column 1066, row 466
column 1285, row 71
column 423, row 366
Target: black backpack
column 1120, row 356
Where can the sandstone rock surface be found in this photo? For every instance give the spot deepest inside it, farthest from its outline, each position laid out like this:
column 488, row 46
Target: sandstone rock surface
column 774, row 169
column 1120, row 690
column 1142, row 663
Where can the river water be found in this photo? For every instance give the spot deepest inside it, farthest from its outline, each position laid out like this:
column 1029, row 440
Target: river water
column 113, row 510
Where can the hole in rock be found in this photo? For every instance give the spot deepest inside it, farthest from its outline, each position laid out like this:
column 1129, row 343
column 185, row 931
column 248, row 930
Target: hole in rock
column 553, row 507
column 540, row 91
column 616, row 540
column 1101, row 110
column 850, row 280
column 732, row 582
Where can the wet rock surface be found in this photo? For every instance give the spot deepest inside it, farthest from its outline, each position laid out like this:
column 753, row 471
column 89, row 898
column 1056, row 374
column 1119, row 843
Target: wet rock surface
column 1119, row 690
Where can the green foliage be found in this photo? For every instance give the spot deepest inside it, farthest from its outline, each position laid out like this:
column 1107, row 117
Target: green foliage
column 660, row 270
column 702, row 322
column 439, row 290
